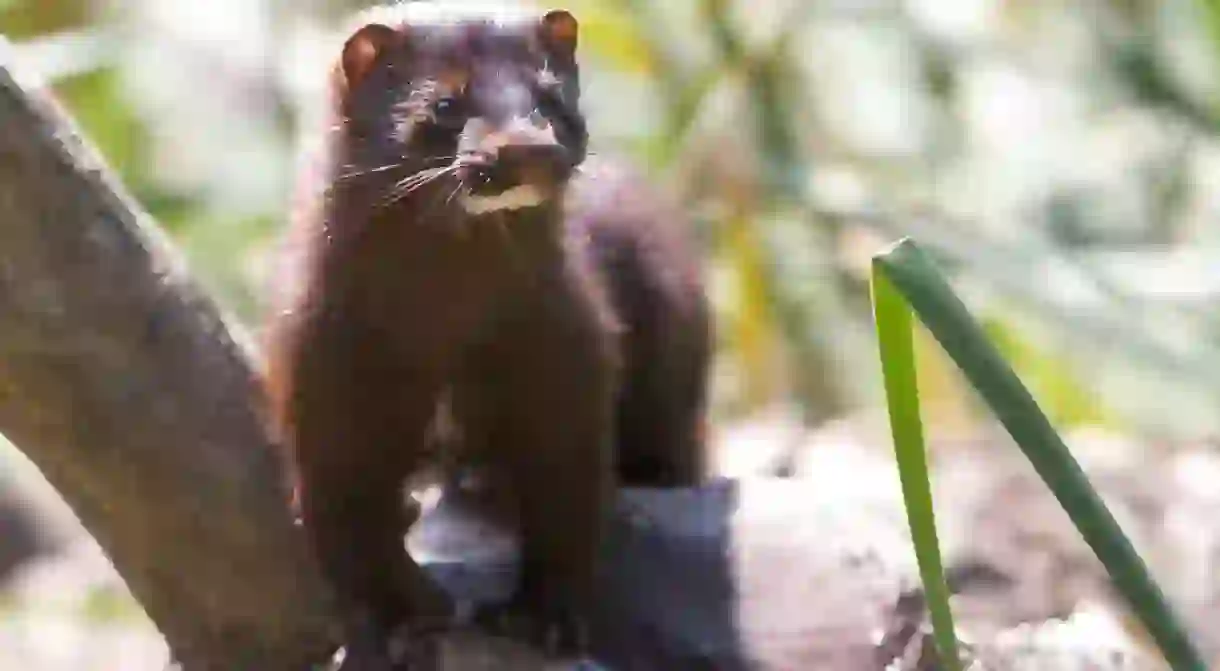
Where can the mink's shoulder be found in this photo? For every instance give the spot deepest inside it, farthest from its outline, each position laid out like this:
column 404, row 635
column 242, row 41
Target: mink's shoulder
column 608, row 194
column 633, row 225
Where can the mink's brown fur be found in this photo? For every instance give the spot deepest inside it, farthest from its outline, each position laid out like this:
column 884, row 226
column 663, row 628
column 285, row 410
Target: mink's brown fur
column 572, row 342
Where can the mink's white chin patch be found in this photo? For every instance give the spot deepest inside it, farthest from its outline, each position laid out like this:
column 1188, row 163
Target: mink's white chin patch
column 516, row 198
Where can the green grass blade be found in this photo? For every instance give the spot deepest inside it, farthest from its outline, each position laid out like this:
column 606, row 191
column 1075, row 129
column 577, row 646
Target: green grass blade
column 916, row 278
column 897, row 349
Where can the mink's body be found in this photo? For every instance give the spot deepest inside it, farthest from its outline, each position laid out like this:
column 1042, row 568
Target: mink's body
column 462, row 248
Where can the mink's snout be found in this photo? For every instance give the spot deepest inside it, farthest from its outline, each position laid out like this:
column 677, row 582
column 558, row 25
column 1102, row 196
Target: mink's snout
column 490, row 172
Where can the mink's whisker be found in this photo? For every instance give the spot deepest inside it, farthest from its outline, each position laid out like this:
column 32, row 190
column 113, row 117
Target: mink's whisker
column 440, row 159
column 361, row 173
column 411, row 179
column 452, row 194
column 407, row 186
column 392, row 166
column 418, row 178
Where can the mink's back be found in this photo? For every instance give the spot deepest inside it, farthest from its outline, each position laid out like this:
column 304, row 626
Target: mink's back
column 643, row 249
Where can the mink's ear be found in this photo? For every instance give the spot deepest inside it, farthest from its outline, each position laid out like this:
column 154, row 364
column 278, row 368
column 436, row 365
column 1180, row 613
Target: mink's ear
column 559, row 31
column 362, row 50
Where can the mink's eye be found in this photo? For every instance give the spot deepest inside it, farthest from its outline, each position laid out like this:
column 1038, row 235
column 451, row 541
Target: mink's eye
column 449, row 113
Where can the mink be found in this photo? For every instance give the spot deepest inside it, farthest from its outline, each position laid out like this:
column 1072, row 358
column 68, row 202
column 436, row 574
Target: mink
column 456, row 248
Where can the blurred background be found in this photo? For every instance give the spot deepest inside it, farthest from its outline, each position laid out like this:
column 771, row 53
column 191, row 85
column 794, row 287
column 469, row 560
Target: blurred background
column 1061, row 159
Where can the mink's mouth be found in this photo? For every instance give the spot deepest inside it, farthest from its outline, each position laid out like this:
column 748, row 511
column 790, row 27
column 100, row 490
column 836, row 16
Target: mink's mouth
column 487, row 179
column 516, row 177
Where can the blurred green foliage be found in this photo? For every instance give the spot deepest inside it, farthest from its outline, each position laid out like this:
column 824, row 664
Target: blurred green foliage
column 32, row 18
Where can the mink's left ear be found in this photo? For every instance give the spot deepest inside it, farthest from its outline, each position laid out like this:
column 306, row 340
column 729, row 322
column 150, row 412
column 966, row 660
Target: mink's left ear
column 559, row 31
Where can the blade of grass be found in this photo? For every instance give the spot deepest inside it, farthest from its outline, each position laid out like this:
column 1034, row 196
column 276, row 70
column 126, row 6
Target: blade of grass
column 897, row 349
column 916, row 278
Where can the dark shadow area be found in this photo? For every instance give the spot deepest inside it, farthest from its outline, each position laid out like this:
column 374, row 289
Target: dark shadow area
column 667, row 600
column 22, row 536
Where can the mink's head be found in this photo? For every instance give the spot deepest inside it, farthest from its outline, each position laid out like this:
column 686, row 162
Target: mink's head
column 481, row 105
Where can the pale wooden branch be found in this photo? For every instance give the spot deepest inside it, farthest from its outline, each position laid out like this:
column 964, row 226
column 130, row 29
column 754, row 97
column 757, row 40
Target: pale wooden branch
column 121, row 381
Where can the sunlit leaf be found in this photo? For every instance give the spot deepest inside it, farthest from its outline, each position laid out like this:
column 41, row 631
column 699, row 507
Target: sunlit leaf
column 893, row 319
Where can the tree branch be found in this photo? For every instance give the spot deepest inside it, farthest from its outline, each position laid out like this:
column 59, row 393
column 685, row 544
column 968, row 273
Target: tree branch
column 122, row 382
